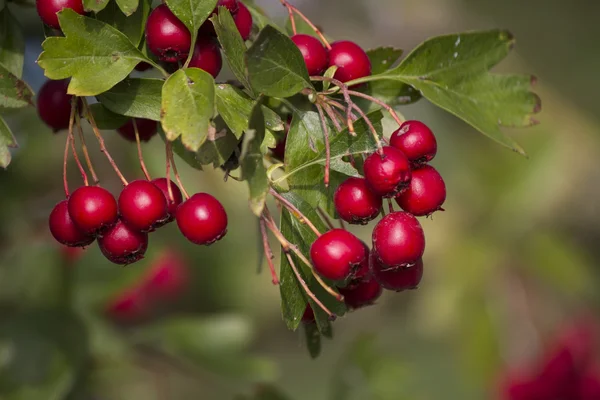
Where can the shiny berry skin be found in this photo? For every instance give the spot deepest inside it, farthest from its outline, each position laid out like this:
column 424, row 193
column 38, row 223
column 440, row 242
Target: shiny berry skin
column 64, row 230
column 361, row 294
column 355, row 202
column 47, row 10
column 390, row 175
column 351, row 59
column 166, row 36
column 142, row 205
column 398, row 240
column 207, row 56
column 243, row 21
column 416, row 141
column 122, row 244
column 93, row 209
column 172, row 205
column 202, row 219
column 54, row 104
column 146, row 128
column 337, row 254
column 399, row 278
column 314, row 53
column 426, row 193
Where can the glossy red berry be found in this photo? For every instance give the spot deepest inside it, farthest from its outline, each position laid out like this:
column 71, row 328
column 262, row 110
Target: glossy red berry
column 47, row 10
column 64, row 230
column 93, row 209
column 207, row 56
column 166, row 36
column 54, row 104
column 351, row 60
column 388, row 175
column 314, row 53
column 398, row 240
column 142, row 205
column 162, row 184
column 363, row 272
column 416, row 141
column 146, row 129
column 122, row 244
column 231, row 5
column 202, row 219
column 337, row 254
column 243, row 21
column 398, row 278
column 361, row 294
column 355, row 202
column 426, row 193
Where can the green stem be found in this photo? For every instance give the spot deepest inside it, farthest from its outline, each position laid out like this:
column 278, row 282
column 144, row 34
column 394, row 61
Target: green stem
column 365, row 79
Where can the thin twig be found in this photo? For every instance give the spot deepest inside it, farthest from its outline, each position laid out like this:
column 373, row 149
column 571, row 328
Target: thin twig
column 347, row 98
column 268, row 252
column 168, row 173
column 177, row 177
column 371, row 128
column 342, row 224
column 139, row 149
column 390, row 205
column 375, row 100
column 72, row 136
column 313, row 26
column 340, row 106
column 301, row 217
column 65, row 182
column 327, row 145
column 84, row 148
column 332, row 115
column 325, row 218
column 292, row 20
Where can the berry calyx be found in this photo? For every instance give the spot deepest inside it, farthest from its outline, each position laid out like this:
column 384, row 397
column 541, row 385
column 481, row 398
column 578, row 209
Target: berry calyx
column 361, row 294
column 54, row 104
column 123, row 245
column 142, row 205
column 314, row 53
column 355, row 202
column 243, row 21
column 93, row 209
column 351, row 60
column 47, row 10
column 166, row 36
column 398, row 240
column 426, row 193
column 388, row 175
column 163, row 185
column 146, row 129
column 398, row 278
column 202, row 219
column 207, row 56
column 64, row 230
column 337, row 254
column 416, row 141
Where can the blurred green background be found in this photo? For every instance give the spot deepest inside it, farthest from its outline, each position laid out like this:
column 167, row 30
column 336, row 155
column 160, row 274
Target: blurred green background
column 513, row 258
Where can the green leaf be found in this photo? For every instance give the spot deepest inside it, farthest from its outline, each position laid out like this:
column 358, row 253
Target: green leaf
column 233, row 46
column 190, row 157
column 188, row 98
column 96, row 55
column 7, row 140
column 313, row 339
column 95, row 5
column 132, row 26
column 135, row 97
column 252, row 163
column 128, row 6
column 106, row 119
column 218, row 146
column 275, row 65
column 12, row 45
column 383, row 58
column 14, row 93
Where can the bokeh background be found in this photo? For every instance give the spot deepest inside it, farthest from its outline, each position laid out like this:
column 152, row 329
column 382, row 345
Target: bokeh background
column 512, row 261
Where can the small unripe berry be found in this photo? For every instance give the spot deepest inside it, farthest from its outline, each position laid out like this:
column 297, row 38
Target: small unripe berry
column 166, row 36
column 47, row 10
column 388, row 175
column 398, row 240
column 355, row 202
column 92, row 209
column 416, row 141
column 54, row 104
column 142, row 205
column 337, row 254
column 426, row 193
column 64, row 230
column 243, row 21
column 399, row 278
column 202, row 219
column 314, row 53
column 207, row 56
column 162, row 184
column 123, row 245
column 361, row 294
column 147, row 128
column 351, row 59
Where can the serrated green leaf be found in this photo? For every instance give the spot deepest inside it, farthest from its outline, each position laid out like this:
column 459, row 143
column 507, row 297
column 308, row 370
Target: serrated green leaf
column 95, row 5
column 106, row 119
column 14, row 93
column 96, row 55
column 218, row 147
column 275, row 65
column 128, row 6
column 12, row 45
column 188, row 99
column 252, row 163
column 132, row 26
column 135, row 97
column 313, row 339
column 7, row 140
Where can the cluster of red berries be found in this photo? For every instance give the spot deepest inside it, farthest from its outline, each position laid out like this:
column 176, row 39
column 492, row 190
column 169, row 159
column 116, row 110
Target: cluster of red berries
column 395, row 261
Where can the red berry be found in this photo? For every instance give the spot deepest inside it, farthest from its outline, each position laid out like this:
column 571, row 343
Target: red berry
column 426, row 193
column 47, row 10
column 231, row 5
column 361, row 294
column 143, row 66
column 314, row 53
column 355, row 202
column 389, row 175
column 398, row 240
column 396, row 278
column 363, row 272
column 416, row 141
column 279, row 150
column 309, row 315
column 166, row 36
column 207, row 56
column 123, row 245
column 351, row 59
column 129, row 306
column 146, row 129
column 172, row 205
column 64, row 230
column 142, row 205
column 336, row 254
column 243, row 21
column 93, row 209
column 167, row 278
column 54, row 104
column 202, row 219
